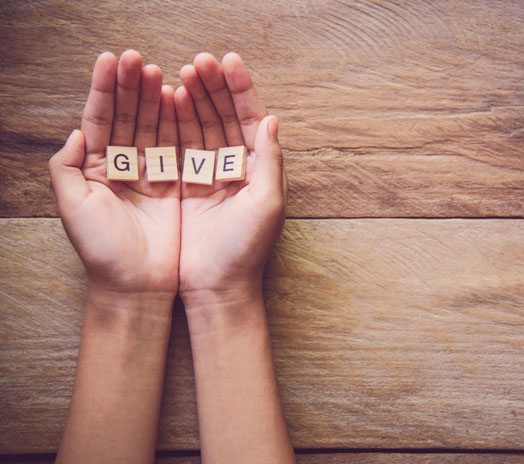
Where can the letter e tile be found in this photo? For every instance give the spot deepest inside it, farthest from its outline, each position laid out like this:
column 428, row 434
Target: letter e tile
column 231, row 163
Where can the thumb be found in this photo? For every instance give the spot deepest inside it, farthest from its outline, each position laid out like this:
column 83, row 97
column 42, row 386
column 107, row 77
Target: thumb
column 67, row 178
column 269, row 163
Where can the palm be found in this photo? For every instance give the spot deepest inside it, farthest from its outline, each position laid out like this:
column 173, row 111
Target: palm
column 210, row 225
column 135, row 232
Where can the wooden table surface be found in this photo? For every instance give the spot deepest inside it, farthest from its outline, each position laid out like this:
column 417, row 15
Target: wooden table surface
column 396, row 294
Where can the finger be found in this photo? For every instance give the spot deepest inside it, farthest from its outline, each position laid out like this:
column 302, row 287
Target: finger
column 97, row 119
column 127, row 91
column 67, row 178
column 210, row 122
column 188, row 126
column 249, row 109
column 167, row 124
column 148, row 107
column 285, row 185
column 213, row 79
column 268, row 173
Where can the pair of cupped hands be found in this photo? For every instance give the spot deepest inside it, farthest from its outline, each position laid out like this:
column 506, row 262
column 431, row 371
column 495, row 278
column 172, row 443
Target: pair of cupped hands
column 168, row 237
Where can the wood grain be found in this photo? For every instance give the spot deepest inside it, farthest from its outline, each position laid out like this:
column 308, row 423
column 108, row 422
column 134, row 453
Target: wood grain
column 332, row 458
column 387, row 333
column 388, row 109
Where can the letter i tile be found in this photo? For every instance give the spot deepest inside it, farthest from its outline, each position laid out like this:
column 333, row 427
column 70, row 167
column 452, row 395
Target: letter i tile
column 161, row 164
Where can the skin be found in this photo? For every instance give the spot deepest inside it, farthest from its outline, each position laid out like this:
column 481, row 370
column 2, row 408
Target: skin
column 228, row 231
column 142, row 243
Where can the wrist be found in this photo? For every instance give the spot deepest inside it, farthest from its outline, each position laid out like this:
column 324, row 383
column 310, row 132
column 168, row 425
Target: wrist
column 238, row 292
column 137, row 315
column 225, row 310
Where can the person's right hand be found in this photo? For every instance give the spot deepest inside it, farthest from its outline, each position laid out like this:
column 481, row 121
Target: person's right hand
column 228, row 232
column 229, row 228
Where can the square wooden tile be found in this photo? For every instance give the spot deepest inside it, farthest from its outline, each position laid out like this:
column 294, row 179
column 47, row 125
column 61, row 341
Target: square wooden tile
column 231, row 163
column 122, row 163
column 199, row 166
column 161, row 164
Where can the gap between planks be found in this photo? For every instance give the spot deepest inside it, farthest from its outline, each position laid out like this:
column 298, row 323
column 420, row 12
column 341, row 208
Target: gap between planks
column 307, row 456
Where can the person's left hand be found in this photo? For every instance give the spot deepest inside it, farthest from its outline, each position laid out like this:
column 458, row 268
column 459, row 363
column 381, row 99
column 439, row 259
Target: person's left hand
column 126, row 233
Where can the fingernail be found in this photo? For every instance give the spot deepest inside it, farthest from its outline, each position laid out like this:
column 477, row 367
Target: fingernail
column 70, row 137
column 272, row 126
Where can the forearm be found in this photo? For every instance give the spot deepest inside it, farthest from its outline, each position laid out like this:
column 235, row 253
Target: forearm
column 115, row 407
column 239, row 408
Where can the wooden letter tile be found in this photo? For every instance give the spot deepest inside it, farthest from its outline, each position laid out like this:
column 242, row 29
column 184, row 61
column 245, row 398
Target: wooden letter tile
column 199, row 167
column 231, row 163
column 161, row 164
column 122, row 163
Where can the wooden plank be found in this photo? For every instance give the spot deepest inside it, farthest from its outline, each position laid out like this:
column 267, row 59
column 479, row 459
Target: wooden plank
column 388, row 109
column 386, row 333
column 382, row 458
column 400, row 458
column 332, row 458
